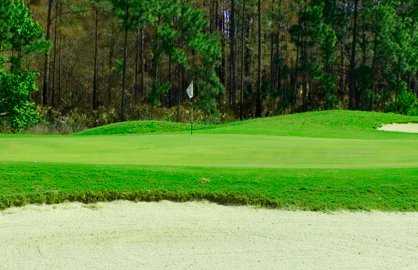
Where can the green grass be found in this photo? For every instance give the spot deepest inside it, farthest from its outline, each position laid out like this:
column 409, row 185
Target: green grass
column 213, row 150
column 141, row 127
column 313, row 161
column 306, row 189
column 324, row 124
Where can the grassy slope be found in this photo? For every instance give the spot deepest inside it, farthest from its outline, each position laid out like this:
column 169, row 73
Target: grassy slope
column 141, row 127
column 344, row 169
column 325, row 124
column 307, row 189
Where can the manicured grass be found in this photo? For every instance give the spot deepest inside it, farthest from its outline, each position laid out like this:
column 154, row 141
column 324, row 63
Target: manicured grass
column 312, row 161
column 142, row 127
column 307, row 189
column 324, row 124
column 213, row 150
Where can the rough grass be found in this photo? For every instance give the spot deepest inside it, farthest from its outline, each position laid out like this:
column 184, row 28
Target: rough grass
column 330, row 160
column 307, row 189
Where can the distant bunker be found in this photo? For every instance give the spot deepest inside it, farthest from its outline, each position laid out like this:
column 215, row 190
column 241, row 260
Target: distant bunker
column 408, row 128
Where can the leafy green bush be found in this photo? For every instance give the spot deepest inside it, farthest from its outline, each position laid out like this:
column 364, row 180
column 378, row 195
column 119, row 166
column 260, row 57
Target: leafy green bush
column 20, row 36
column 405, row 103
column 15, row 90
column 413, row 111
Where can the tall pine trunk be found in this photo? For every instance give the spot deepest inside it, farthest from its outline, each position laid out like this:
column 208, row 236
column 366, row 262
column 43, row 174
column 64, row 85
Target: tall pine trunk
column 137, row 64
column 232, row 58
column 272, row 49
column 241, row 100
column 125, row 59
column 110, row 68
column 95, row 68
column 59, row 94
column 54, row 61
column 352, row 80
column 142, row 63
column 45, row 86
column 258, row 105
column 222, row 68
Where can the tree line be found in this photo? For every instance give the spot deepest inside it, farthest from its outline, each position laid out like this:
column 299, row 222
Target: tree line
column 249, row 58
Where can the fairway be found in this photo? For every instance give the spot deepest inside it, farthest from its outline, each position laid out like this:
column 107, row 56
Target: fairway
column 310, row 161
column 218, row 150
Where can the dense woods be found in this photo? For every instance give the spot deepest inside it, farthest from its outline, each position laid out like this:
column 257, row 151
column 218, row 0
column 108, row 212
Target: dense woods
column 247, row 58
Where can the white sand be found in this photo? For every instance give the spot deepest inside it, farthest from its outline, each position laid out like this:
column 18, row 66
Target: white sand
column 125, row 235
column 408, row 128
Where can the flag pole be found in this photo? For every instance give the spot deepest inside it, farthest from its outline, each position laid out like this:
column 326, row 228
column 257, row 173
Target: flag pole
column 190, row 93
column 191, row 118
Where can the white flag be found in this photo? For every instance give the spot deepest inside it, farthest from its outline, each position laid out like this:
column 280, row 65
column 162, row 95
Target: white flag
column 189, row 91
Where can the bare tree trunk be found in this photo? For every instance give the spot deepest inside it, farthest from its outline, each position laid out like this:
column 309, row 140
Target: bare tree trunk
column 342, row 85
column 54, row 61
column 248, row 59
column 272, row 49
column 278, row 71
column 258, row 105
column 170, row 91
column 125, row 58
column 46, row 57
column 137, row 56
column 212, row 16
column 374, row 69
column 142, row 62
column 364, row 44
column 222, row 68
column 110, row 67
column 95, row 69
column 59, row 96
column 241, row 100
column 232, row 58
column 352, row 83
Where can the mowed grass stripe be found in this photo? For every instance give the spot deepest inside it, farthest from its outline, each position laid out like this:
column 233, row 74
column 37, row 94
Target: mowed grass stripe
column 252, row 151
column 305, row 189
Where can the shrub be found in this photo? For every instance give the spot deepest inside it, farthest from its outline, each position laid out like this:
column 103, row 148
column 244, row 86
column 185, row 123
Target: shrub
column 53, row 121
column 405, row 103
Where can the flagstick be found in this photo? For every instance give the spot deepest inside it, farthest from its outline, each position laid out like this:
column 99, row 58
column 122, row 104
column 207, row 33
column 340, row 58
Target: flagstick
column 190, row 93
column 191, row 119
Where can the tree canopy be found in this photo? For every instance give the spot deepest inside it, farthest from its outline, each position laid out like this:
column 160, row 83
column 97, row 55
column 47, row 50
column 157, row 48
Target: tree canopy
column 178, row 33
column 20, row 36
column 131, row 58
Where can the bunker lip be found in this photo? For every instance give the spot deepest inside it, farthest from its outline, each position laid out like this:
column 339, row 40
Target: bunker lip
column 166, row 235
column 399, row 127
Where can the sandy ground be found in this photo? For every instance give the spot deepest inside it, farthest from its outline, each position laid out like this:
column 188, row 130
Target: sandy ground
column 409, row 128
column 125, row 235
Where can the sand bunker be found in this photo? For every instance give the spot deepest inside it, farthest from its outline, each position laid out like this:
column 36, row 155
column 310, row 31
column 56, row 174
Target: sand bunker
column 125, row 235
column 409, row 128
